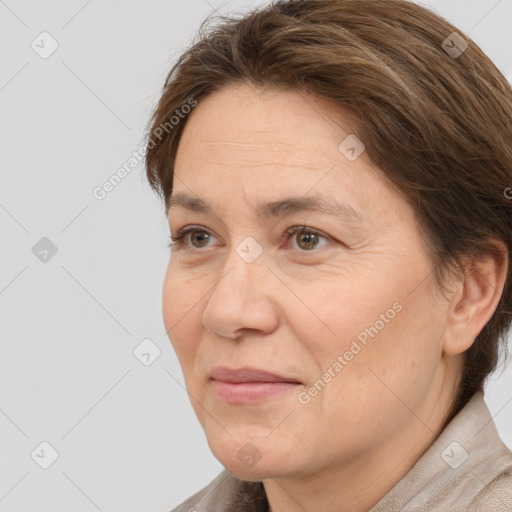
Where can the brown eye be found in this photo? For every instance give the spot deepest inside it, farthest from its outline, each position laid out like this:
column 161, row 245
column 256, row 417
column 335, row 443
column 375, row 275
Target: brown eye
column 306, row 238
column 199, row 238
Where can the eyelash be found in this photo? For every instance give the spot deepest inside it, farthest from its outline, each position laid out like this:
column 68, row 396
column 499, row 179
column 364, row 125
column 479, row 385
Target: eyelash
column 178, row 240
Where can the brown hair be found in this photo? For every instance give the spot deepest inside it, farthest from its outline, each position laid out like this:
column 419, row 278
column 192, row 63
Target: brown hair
column 438, row 124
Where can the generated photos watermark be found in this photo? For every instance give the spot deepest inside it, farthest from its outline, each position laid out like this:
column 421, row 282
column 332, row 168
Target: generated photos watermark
column 100, row 192
column 355, row 348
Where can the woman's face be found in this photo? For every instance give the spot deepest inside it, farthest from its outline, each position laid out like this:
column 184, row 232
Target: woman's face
column 345, row 306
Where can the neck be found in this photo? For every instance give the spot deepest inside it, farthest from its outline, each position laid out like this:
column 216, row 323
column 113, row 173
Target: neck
column 358, row 484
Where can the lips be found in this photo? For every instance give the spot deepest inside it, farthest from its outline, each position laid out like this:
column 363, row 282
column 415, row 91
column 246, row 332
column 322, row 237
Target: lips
column 248, row 385
column 247, row 374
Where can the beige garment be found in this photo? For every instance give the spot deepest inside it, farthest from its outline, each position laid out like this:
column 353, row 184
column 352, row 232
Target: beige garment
column 467, row 469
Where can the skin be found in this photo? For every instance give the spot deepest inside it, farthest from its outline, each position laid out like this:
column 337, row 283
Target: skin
column 295, row 309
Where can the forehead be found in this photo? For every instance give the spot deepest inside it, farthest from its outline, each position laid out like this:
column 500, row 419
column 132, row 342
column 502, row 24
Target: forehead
column 274, row 146
column 247, row 122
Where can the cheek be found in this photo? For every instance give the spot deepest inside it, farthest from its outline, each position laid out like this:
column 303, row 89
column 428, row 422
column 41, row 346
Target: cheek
column 390, row 350
column 180, row 295
column 180, row 309
column 339, row 313
column 375, row 326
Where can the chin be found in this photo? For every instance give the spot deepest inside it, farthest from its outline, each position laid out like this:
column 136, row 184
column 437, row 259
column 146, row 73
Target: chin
column 261, row 470
column 248, row 474
column 255, row 460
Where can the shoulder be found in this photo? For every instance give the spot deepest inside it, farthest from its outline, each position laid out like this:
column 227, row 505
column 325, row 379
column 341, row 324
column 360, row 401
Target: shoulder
column 467, row 468
column 495, row 496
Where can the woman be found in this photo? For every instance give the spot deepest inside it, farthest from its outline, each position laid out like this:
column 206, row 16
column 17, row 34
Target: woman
column 335, row 174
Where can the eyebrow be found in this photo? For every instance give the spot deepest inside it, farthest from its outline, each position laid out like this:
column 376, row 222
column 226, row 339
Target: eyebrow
column 281, row 208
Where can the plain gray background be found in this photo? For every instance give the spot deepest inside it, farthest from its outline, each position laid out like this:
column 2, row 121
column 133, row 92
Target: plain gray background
column 126, row 436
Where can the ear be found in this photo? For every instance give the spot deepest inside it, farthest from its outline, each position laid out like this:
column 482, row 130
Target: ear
column 478, row 292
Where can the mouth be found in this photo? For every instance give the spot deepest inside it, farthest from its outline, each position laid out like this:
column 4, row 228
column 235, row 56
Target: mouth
column 247, row 384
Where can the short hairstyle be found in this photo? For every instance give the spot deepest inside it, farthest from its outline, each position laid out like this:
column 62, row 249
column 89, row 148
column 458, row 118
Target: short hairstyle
column 435, row 117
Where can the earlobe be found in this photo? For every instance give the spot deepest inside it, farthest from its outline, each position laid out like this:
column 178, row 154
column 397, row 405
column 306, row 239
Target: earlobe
column 476, row 299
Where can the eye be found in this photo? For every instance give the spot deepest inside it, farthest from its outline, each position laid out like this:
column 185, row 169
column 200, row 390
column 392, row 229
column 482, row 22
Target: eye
column 202, row 239
column 307, row 238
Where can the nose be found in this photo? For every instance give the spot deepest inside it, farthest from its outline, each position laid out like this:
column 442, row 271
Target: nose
column 243, row 299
